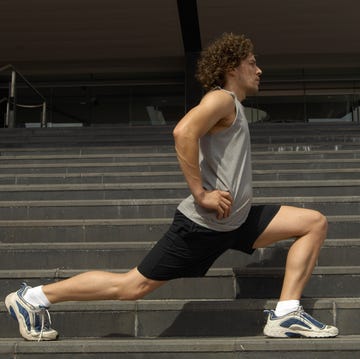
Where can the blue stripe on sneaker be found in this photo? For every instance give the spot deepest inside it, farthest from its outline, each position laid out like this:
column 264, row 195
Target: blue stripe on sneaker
column 12, row 313
column 25, row 314
column 288, row 323
column 313, row 321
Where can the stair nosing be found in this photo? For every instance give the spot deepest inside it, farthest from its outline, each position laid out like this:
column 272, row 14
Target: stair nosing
column 184, row 345
column 126, row 221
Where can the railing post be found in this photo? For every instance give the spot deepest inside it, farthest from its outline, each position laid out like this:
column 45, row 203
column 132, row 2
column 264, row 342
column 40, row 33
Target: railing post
column 7, row 115
column 11, row 104
column 43, row 115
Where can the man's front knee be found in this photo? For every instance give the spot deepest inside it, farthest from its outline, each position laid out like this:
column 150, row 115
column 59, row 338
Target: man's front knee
column 322, row 221
column 320, row 225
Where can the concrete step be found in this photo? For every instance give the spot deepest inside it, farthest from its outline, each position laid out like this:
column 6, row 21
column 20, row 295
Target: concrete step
column 84, row 230
column 137, row 139
column 309, row 155
column 331, row 206
column 169, row 176
column 152, row 155
column 332, row 281
column 306, row 174
column 121, row 135
column 120, row 255
column 152, row 207
column 148, row 154
column 169, row 165
column 170, row 190
column 89, row 209
column 304, row 138
column 293, row 131
column 307, row 188
column 99, row 177
column 83, row 150
column 135, row 176
column 88, row 158
column 284, row 133
column 69, row 168
column 298, row 127
column 316, row 164
column 305, row 146
column 261, row 148
column 219, row 283
column 181, row 318
column 343, row 347
column 131, row 229
column 28, row 156
column 94, row 191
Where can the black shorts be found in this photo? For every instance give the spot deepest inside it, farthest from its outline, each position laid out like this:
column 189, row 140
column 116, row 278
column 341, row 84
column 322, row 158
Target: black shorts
column 188, row 249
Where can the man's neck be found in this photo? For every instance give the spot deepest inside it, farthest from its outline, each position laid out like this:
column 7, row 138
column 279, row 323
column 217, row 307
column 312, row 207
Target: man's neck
column 240, row 93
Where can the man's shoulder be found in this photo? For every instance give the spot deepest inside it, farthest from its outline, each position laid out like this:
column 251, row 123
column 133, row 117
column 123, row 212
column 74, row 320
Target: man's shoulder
column 220, row 93
column 218, row 98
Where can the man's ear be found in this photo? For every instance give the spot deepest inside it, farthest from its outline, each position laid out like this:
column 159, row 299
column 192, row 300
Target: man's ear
column 231, row 72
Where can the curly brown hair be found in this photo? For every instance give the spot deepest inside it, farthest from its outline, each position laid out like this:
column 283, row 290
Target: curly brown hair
column 223, row 55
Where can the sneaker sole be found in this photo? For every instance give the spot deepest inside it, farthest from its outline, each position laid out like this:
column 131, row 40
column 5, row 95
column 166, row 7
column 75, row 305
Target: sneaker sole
column 288, row 333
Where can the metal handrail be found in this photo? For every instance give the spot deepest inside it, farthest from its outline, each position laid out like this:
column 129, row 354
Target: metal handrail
column 12, row 98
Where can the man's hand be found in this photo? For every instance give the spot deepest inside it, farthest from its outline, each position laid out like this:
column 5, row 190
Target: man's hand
column 219, row 201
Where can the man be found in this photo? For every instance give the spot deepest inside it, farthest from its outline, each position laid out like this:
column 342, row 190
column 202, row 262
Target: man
column 213, row 148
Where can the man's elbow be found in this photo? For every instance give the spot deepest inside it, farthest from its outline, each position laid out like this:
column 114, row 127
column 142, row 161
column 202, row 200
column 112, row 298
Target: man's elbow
column 178, row 133
column 185, row 134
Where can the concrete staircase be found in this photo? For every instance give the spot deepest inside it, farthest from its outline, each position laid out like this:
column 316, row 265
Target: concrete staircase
column 78, row 199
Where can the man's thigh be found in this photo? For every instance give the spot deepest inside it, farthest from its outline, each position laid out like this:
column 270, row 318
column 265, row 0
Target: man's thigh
column 289, row 222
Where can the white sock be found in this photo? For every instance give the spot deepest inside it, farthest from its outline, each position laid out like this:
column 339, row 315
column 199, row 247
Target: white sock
column 36, row 297
column 286, row 306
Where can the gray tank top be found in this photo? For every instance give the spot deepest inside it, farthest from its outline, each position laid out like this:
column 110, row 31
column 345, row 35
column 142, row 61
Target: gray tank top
column 225, row 163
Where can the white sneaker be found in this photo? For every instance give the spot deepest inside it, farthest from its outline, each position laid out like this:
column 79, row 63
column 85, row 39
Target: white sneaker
column 34, row 322
column 297, row 324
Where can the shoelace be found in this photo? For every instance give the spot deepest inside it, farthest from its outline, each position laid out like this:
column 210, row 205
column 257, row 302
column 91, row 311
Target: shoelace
column 44, row 314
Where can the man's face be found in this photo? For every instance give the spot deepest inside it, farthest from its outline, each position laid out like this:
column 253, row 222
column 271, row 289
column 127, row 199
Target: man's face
column 249, row 75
